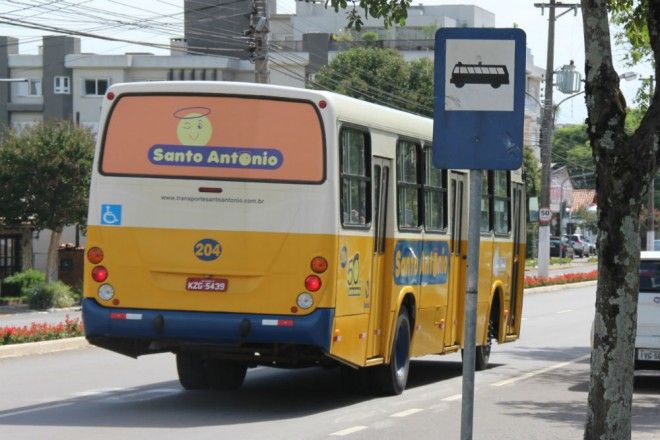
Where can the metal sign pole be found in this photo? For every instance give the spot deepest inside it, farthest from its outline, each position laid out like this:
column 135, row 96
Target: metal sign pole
column 469, row 348
column 478, row 122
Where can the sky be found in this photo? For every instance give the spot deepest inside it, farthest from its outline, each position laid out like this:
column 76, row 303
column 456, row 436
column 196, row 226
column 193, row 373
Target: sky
column 128, row 23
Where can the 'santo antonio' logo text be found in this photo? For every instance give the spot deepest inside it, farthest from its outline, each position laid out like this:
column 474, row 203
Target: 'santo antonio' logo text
column 194, row 131
column 416, row 262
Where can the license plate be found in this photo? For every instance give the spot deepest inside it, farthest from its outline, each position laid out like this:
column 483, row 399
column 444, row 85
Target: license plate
column 646, row 354
column 207, row 284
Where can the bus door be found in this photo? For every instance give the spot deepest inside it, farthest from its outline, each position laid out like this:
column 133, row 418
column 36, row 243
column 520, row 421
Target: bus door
column 457, row 262
column 516, row 230
column 377, row 299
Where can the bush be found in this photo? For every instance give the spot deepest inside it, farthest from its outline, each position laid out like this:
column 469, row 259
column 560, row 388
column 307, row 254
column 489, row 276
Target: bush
column 46, row 296
column 41, row 332
column 20, row 284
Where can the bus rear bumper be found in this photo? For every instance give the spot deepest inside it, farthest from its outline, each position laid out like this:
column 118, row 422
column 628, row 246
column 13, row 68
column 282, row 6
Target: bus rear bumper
column 183, row 327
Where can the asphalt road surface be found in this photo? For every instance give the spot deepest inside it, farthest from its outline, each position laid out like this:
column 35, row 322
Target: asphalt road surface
column 536, row 388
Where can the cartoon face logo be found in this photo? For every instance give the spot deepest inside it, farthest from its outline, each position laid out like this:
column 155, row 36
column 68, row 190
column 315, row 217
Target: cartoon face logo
column 194, row 127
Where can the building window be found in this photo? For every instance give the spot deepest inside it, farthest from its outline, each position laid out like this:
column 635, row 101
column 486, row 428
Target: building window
column 31, row 87
column 355, row 176
column 435, row 195
column 61, row 85
column 10, row 255
column 96, row 87
column 408, row 184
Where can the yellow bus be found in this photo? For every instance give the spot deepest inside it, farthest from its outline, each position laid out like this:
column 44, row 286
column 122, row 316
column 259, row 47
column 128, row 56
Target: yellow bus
column 239, row 225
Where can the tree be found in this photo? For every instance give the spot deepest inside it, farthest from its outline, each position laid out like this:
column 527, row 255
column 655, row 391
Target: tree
column 381, row 76
column 44, row 179
column 531, row 172
column 625, row 163
column 570, row 148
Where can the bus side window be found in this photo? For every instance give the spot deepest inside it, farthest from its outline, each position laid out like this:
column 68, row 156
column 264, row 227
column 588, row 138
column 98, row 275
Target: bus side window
column 435, row 195
column 355, row 178
column 501, row 201
column 408, row 182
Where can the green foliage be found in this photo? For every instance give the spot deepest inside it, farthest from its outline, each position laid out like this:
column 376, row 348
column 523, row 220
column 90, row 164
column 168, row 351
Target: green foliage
column 531, row 172
column 46, row 296
column 429, row 31
column 571, row 148
column 631, row 17
column 381, row 76
column 391, row 11
column 589, row 220
column 19, row 284
column 44, row 175
column 370, row 36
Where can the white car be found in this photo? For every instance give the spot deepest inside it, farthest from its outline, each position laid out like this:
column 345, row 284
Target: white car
column 647, row 341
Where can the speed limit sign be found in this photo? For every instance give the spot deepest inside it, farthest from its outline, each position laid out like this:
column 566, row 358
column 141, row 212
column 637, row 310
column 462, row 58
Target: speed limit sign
column 545, row 214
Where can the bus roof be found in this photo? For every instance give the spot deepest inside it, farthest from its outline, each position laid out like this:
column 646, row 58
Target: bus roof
column 346, row 108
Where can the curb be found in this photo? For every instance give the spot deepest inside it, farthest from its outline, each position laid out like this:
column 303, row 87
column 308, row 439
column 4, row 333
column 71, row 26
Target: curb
column 558, row 287
column 42, row 347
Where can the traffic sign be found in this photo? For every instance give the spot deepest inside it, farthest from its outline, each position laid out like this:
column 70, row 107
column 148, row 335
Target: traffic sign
column 545, row 214
column 479, row 98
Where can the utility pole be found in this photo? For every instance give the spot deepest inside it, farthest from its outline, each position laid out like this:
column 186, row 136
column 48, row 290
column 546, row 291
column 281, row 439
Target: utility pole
column 547, row 124
column 258, row 46
column 650, row 228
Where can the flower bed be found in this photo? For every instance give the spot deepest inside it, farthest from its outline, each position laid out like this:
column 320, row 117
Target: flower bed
column 41, row 332
column 535, row 281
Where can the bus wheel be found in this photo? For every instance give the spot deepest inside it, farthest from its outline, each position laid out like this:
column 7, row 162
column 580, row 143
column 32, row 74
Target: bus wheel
column 225, row 375
column 483, row 351
column 391, row 378
column 192, row 372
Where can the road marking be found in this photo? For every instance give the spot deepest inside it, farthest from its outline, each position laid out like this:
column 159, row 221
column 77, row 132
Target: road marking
column 407, row 412
column 537, row 372
column 27, row 411
column 564, row 311
column 99, row 392
column 452, row 398
column 348, row 431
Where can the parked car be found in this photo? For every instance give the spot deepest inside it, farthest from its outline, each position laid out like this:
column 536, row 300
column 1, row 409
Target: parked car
column 592, row 247
column 561, row 247
column 647, row 340
column 580, row 244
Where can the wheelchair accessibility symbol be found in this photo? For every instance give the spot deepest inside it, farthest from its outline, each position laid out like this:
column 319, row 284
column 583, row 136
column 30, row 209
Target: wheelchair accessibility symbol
column 111, row 214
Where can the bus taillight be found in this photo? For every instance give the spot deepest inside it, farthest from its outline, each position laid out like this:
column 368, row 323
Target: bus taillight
column 99, row 274
column 312, row 283
column 319, row 264
column 95, row 255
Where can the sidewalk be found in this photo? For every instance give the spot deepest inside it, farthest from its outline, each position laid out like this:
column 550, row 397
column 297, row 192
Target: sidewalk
column 580, row 265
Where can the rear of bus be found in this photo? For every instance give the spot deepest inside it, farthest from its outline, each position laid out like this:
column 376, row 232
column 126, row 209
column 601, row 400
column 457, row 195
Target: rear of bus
column 210, row 228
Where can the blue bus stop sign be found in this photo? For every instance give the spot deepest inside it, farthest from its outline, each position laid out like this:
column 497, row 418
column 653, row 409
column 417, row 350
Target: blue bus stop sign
column 479, row 100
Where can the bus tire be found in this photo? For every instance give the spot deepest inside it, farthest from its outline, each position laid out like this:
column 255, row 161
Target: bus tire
column 225, row 375
column 192, row 371
column 391, row 378
column 482, row 355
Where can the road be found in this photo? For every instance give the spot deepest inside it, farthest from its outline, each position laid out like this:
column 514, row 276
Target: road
column 536, row 388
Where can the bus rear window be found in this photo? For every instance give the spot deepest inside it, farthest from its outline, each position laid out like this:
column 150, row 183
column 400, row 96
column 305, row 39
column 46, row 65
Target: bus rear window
column 214, row 137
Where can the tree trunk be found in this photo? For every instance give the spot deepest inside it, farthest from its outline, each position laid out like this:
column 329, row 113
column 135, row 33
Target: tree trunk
column 51, row 262
column 624, row 166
